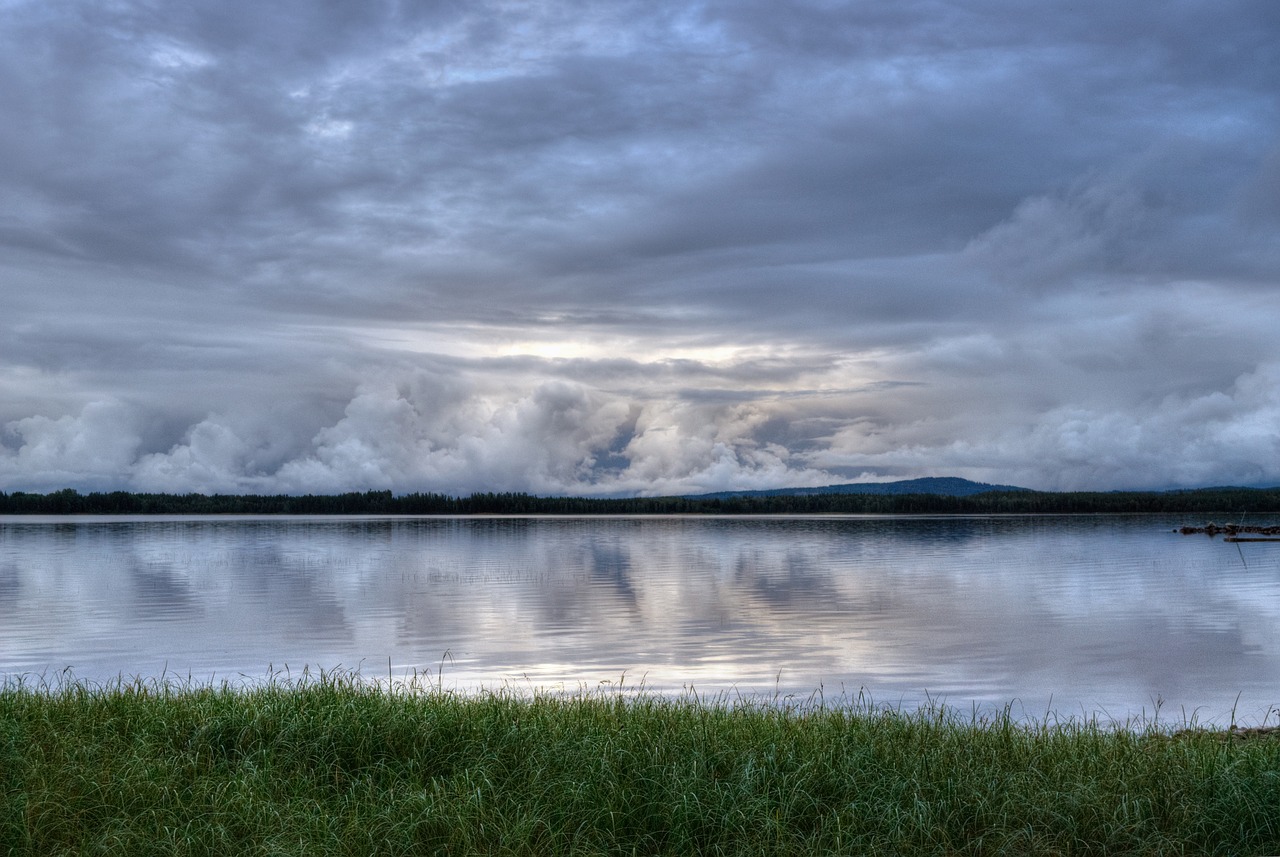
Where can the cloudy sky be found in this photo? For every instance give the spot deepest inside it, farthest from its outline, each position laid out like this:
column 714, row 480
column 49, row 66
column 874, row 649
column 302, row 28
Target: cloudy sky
column 638, row 247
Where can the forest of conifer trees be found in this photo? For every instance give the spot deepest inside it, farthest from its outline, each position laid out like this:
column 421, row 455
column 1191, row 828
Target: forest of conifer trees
column 1205, row 501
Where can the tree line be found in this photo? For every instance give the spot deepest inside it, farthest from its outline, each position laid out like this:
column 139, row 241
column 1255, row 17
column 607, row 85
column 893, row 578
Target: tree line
column 1221, row 501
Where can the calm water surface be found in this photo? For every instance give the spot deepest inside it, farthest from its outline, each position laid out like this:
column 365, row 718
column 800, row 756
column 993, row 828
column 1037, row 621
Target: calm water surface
column 1112, row 615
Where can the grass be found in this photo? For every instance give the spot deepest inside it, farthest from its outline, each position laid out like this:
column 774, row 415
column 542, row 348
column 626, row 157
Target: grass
column 336, row 765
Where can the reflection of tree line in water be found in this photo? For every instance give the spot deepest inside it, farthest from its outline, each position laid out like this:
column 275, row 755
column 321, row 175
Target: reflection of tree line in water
column 1200, row 501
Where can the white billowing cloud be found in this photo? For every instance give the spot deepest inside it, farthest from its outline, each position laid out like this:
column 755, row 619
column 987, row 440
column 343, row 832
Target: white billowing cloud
column 212, row 459
column 683, row 447
column 559, row 438
column 395, row 436
column 91, row 449
column 1218, row 438
column 419, row 433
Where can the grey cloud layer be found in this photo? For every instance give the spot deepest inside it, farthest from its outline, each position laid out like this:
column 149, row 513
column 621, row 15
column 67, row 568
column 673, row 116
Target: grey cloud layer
column 637, row 247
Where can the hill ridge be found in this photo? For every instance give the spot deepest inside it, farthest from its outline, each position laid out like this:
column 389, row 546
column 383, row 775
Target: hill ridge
column 945, row 486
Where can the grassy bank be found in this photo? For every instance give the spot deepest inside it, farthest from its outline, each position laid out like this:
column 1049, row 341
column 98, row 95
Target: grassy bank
column 334, row 766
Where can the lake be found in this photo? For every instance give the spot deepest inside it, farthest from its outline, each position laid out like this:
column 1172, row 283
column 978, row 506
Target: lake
column 1115, row 616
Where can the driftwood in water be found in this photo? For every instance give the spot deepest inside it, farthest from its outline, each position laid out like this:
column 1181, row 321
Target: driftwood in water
column 1229, row 530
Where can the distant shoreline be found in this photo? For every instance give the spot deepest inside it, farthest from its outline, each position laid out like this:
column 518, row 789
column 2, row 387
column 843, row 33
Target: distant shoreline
column 1226, row 503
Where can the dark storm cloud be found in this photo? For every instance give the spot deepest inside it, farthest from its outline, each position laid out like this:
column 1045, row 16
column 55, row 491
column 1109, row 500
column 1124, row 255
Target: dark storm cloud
column 637, row 247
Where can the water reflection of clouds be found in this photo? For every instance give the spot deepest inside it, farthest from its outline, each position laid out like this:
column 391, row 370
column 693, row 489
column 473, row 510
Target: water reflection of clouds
column 10, row 584
column 986, row 609
column 160, row 594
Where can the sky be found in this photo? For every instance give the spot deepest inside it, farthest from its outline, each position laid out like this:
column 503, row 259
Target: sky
column 638, row 248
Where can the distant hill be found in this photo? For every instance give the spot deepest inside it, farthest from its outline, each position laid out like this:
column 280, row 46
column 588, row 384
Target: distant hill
column 943, row 486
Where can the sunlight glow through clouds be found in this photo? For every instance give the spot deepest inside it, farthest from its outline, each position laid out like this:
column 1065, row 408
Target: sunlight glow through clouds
column 492, row 341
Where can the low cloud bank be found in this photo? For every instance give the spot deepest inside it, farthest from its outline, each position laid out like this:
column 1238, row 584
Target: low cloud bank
column 557, row 438
column 416, row 433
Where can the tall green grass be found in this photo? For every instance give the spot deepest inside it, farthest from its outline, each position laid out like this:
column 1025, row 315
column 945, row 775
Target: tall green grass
column 335, row 765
